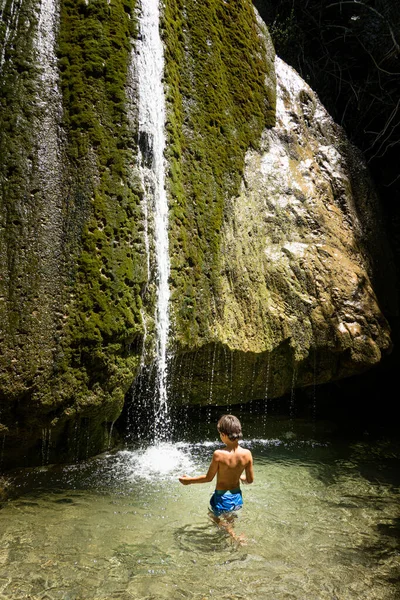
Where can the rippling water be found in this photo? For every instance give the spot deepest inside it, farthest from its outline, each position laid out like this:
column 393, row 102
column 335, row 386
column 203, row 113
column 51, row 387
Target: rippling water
column 321, row 522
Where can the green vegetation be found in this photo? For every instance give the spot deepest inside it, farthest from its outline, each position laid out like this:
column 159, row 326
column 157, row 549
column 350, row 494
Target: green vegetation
column 218, row 104
column 96, row 363
column 69, row 352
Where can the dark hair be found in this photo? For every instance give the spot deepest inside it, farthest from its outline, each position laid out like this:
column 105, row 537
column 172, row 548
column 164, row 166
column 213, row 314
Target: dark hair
column 230, row 426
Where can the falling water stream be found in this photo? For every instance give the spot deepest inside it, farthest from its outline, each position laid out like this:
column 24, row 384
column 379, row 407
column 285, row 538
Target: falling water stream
column 11, row 26
column 150, row 71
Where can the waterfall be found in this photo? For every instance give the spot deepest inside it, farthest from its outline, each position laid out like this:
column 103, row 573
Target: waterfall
column 151, row 109
column 50, row 101
column 49, row 154
column 11, row 26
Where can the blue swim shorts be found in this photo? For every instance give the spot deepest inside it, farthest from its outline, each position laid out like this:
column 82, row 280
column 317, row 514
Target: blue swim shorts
column 226, row 501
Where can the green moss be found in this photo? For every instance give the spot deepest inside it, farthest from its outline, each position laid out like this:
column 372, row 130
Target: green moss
column 93, row 321
column 103, row 321
column 218, row 105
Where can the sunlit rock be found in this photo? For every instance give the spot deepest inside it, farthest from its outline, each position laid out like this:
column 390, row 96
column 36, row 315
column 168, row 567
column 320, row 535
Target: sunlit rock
column 296, row 304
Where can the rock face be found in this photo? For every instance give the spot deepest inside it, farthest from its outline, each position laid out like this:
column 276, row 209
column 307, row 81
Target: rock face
column 270, row 223
column 71, row 246
column 76, row 302
column 295, row 304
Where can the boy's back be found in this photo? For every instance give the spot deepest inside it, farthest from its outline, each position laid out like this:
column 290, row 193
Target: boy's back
column 231, row 464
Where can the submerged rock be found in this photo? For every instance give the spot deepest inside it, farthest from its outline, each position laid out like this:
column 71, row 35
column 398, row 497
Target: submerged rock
column 5, row 487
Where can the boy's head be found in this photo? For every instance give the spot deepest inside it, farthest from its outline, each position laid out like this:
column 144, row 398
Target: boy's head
column 230, row 426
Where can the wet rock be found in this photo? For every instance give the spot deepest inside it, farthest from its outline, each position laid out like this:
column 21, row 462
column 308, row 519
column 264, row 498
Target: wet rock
column 296, row 305
column 5, row 487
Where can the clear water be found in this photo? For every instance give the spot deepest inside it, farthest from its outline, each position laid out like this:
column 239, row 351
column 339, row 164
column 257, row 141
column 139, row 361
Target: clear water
column 321, row 522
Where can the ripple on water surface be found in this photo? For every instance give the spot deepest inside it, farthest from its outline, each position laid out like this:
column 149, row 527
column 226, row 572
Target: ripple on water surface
column 321, row 522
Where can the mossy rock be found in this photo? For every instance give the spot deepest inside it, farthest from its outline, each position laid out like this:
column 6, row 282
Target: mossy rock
column 219, row 71
column 72, row 330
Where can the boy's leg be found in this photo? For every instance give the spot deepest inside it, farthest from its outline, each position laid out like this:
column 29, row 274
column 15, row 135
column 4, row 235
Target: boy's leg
column 226, row 522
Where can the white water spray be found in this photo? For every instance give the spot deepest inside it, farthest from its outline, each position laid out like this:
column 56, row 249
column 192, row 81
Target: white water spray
column 11, row 25
column 150, row 70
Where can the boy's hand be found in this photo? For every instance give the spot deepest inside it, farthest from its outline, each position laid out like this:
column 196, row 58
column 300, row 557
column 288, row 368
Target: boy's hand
column 185, row 479
column 243, row 479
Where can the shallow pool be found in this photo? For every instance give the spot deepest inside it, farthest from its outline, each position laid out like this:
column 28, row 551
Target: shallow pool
column 321, row 523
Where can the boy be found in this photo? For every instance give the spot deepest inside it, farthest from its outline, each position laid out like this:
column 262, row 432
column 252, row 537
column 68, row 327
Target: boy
column 228, row 464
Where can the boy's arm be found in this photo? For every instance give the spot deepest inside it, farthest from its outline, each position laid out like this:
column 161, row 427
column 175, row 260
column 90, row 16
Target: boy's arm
column 249, row 476
column 212, row 470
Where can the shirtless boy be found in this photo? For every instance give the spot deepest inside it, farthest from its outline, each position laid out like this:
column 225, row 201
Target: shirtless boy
column 232, row 465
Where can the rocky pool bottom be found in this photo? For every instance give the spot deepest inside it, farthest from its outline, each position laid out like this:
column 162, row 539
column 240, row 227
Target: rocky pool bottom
column 321, row 522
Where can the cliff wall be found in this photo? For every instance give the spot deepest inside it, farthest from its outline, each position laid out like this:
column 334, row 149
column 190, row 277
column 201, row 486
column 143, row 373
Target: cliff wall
column 270, row 222
column 295, row 304
column 71, row 246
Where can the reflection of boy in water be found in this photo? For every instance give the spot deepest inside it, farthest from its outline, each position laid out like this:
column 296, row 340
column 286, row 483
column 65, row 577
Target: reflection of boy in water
column 229, row 464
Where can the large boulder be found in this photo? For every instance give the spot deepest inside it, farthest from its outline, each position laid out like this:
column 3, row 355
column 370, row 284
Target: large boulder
column 295, row 303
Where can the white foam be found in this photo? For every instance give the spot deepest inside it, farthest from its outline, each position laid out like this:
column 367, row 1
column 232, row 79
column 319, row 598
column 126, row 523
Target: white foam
column 160, row 461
